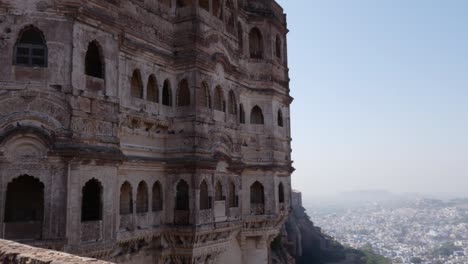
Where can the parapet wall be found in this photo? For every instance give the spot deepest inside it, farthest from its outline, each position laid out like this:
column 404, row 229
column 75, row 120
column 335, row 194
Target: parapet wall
column 12, row 252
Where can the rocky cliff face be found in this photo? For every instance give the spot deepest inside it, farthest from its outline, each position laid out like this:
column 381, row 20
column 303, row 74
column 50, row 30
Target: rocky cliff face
column 301, row 242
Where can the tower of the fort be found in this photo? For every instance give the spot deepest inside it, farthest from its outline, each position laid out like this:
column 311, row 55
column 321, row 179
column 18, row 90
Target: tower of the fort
column 145, row 131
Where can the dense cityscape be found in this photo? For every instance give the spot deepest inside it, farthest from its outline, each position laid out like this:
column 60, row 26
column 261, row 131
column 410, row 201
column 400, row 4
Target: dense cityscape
column 425, row 231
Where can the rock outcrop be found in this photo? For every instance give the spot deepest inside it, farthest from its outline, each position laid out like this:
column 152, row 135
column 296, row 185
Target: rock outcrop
column 12, row 252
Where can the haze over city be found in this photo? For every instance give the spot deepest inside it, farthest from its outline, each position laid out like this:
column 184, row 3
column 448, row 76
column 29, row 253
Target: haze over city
column 381, row 92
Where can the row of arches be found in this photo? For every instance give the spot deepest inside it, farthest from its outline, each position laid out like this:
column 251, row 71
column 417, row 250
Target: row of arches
column 142, row 198
column 184, row 98
column 31, row 50
column 25, row 199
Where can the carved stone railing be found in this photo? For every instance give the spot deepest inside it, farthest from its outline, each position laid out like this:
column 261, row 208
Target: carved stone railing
column 220, row 211
column 205, row 216
column 257, row 209
column 94, row 84
column 142, row 220
column 91, row 231
column 23, row 230
column 157, row 218
column 181, row 217
column 234, row 213
column 126, row 222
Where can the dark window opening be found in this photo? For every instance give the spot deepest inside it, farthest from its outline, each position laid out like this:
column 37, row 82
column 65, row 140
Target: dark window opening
column 219, row 101
column 281, row 193
column 184, row 3
column 31, row 49
column 257, row 199
column 93, row 61
column 91, row 203
column 157, row 197
column 256, row 117
column 216, row 5
column 232, row 103
column 278, row 47
column 136, row 85
column 240, row 37
column 204, row 4
column 241, row 114
column 152, row 93
column 219, row 192
column 233, row 198
column 205, row 202
column 167, row 95
column 142, row 198
column 182, row 196
column 183, row 95
column 205, row 98
column 280, row 118
column 256, row 44
column 24, row 200
column 126, row 203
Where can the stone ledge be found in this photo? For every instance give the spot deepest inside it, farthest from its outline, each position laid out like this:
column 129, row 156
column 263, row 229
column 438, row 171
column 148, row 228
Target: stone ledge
column 12, row 252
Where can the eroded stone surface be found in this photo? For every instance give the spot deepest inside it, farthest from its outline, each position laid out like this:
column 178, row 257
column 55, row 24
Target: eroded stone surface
column 12, row 252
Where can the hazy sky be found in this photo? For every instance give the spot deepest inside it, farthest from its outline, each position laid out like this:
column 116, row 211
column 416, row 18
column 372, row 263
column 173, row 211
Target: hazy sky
column 381, row 95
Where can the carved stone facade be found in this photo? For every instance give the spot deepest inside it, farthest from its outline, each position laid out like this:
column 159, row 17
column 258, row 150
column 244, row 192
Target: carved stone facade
column 145, row 131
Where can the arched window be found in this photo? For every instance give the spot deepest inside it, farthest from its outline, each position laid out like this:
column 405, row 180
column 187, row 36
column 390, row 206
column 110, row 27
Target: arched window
column 91, row 203
column 219, row 192
column 142, row 198
column 205, row 96
column 94, row 65
column 183, row 94
column 233, row 201
column 219, row 101
column 281, row 193
column 152, row 93
column 25, row 206
column 126, row 203
column 232, row 103
column 157, row 197
column 205, row 202
column 257, row 198
column 278, row 47
column 256, row 44
column 204, row 4
column 31, row 48
column 136, row 85
column 256, row 116
column 182, row 196
column 167, row 94
column 241, row 114
column 280, row 118
column 240, row 37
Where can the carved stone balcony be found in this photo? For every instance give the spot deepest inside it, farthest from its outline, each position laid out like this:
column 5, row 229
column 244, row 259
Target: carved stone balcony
column 126, row 222
column 220, row 211
column 23, row 230
column 257, row 209
column 181, row 217
column 91, row 231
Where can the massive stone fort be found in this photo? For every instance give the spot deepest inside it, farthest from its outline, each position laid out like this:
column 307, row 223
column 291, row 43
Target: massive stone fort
column 145, row 131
